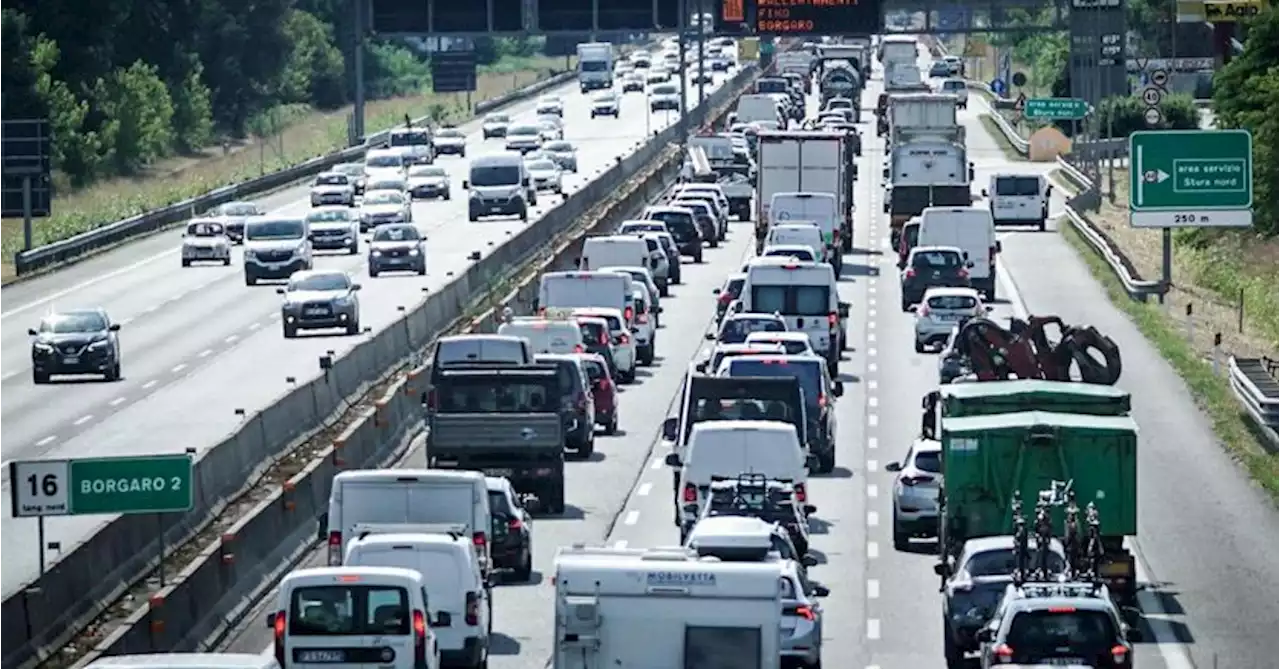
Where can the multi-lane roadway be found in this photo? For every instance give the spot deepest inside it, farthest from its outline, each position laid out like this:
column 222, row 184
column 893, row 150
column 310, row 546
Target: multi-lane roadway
column 198, row 344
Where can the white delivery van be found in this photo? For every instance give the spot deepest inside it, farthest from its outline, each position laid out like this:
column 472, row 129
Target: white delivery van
column 757, row 107
column 621, row 335
column 800, row 233
column 664, row 607
column 820, row 208
column 1019, row 199
column 545, row 335
column 733, row 447
column 188, row 661
column 613, row 250
column 353, row 617
column 803, row 293
column 610, row 290
column 973, row 231
column 371, row 497
column 459, row 598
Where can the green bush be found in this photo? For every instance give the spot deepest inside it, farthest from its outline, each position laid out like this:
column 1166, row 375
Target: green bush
column 1122, row 116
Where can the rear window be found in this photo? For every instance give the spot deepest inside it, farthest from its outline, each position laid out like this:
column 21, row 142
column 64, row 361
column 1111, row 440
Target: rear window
column 566, row 374
column 615, row 323
column 791, row 346
column 734, row 287
column 937, row 259
column 1067, row 633
column 735, row 330
column 675, row 220
column 1002, row 562
column 929, row 461
column 595, row 370
column 952, row 302
column 493, row 394
column 498, row 502
column 791, row 300
column 953, row 85
column 743, row 409
column 803, row 254
column 1017, row 186
column 593, row 332
column 334, row 610
column 808, row 372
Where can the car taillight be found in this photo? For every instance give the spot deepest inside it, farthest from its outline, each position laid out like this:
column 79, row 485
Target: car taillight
column 473, row 609
column 822, row 401
column 802, row 611
column 690, row 493
column 1004, row 653
column 801, row 494
column 432, row 400
column 726, row 298
column 833, row 319
column 1119, row 654
column 515, row 524
column 335, row 549
column 924, row 310
column 911, row 273
column 419, row 639
column 642, row 319
column 962, row 273
column 629, row 313
column 542, row 311
column 479, row 540
column 278, row 626
column 623, row 339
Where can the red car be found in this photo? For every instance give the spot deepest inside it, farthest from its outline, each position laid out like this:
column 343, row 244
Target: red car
column 603, row 390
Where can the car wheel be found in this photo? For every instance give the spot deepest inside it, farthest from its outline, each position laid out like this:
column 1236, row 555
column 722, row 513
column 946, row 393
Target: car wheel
column 525, row 571
column 422, row 270
column 353, row 249
column 353, row 327
column 664, row 290
column 112, row 373
column 250, row 280
column 901, row 540
column 524, row 215
column 448, row 195
column 906, row 304
column 39, row 378
column 289, row 331
column 373, row 272
column 919, row 346
column 227, row 260
column 951, row 653
column 612, row 428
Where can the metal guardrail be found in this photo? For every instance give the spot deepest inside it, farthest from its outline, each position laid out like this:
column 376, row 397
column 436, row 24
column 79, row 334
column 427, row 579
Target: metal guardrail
column 1253, row 380
column 110, row 234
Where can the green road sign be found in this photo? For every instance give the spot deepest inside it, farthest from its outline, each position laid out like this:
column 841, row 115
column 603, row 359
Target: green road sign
column 145, row 484
column 1055, row 109
column 1191, row 178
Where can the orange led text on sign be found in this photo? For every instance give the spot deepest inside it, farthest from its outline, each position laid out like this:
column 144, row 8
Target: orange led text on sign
column 806, row 3
column 733, row 11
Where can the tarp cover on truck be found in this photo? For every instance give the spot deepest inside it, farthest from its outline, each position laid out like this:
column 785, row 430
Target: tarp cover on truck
column 987, row 458
column 986, row 398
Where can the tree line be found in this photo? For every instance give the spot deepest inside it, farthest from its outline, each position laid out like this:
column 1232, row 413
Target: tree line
column 126, row 82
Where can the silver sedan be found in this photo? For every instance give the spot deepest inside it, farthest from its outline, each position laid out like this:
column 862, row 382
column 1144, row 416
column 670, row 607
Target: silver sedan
column 319, row 300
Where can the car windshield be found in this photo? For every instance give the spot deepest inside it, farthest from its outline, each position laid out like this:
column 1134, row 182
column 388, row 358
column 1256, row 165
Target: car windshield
column 596, row 370
column 1002, row 562
column 385, row 186
column 345, row 610
column 735, row 330
column 329, row 216
column 204, row 229
column 69, row 323
column 395, row 233
column 334, row 281
column 664, row 90
column 809, row 371
column 953, row 85
column 1017, row 186
column 631, row 228
column 331, row 180
column 928, row 461
column 541, row 166
column 698, row 207
column 349, row 169
column 953, row 302
column 805, row 254
column 606, row 97
column 937, row 259
column 558, row 147
column 791, row 346
column 428, row 171
column 549, row 102
column 594, row 331
column 410, row 138
column 549, row 125
column 275, row 230
column 383, row 161
column 497, row 118
column 523, row 130
column 791, row 300
column 1061, row 631
column 239, row 209
column 495, row 175
column 384, row 197
column 450, row 132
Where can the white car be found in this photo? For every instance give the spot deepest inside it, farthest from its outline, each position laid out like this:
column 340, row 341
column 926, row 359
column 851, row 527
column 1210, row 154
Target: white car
column 552, row 128
column 604, row 104
column 333, row 188
column 664, row 96
column 384, row 206
column 550, row 105
column 915, row 492
column 524, row 138
column 958, row 88
column 428, row 182
column 495, row 125
column 794, row 343
column 633, row 82
column 205, row 241
column 657, row 75
column 941, row 310
column 546, row 175
column 450, row 140
column 334, row 228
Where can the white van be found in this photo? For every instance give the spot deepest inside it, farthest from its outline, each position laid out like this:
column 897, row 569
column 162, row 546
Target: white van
column 459, row 601
column 803, row 293
column 821, row 208
column 353, row 616
column 804, row 233
column 973, row 231
column 610, row 290
column 733, row 447
column 546, row 335
column 370, row 497
column 187, row 661
column 613, row 250
column 1019, row 199
column 275, row 248
column 664, row 607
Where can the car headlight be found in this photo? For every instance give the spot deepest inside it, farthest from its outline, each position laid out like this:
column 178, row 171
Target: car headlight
column 413, row 252
column 344, row 301
column 300, row 249
column 42, row 347
column 376, row 253
column 98, row 345
column 250, row 254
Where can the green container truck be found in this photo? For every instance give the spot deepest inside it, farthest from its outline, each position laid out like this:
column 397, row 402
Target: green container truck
column 988, row 455
column 986, row 398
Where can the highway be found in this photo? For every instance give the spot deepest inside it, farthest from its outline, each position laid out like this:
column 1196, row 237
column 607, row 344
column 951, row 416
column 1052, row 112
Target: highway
column 1207, row 537
column 198, row 344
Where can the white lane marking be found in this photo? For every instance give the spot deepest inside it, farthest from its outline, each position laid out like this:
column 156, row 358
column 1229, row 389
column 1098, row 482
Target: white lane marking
column 873, row 420
column 47, row 440
column 873, row 402
column 873, row 588
column 873, row 550
column 205, row 353
column 632, row 517
column 872, row 367
column 871, row 301
column 871, row 336
column 871, row 325
column 85, row 284
column 83, row 419
column 621, row 543
column 644, row 489
column 873, row 443
column 872, row 384
column 871, row 284
column 657, row 463
column 873, row 490
column 255, row 326
column 178, row 367
column 231, row 339
column 871, row 313
column 117, row 401
column 871, row 353
column 872, row 465
column 873, row 519
column 149, row 384
column 873, row 629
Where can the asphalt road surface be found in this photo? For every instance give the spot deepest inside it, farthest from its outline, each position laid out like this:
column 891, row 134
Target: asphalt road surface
column 198, row 344
column 1207, row 537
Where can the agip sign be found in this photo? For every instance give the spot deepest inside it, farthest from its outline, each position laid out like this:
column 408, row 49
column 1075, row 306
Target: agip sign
column 1231, row 11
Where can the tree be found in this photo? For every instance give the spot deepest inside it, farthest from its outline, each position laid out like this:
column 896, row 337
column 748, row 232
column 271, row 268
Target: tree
column 192, row 109
column 313, row 71
column 75, row 147
column 139, row 113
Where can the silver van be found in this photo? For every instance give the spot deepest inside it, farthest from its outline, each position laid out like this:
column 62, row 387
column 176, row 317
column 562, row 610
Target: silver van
column 499, row 185
column 187, row 661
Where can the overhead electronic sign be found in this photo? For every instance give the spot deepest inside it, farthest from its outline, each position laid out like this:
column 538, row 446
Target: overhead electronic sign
column 799, row 17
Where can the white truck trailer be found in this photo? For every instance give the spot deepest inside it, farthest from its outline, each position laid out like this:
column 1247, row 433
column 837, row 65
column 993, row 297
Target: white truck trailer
column 927, row 162
column 595, row 66
column 806, row 161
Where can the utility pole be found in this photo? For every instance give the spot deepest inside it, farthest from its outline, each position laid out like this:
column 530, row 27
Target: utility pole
column 357, row 112
column 702, row 52
column 683, row 122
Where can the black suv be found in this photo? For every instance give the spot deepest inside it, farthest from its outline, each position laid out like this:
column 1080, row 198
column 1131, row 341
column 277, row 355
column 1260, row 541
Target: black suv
column 75, row 342
column 684, row 229
column 933, row 267
column 512, row 532
column 576, row 400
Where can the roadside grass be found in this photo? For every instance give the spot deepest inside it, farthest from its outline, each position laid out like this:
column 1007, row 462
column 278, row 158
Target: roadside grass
column 993, row 129
column 308, row 135
column 1212, row 392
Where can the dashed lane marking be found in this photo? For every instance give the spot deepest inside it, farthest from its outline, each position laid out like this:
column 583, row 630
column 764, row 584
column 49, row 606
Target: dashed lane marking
column 873, row 466
column 873, row 519
column 872, row 443
column 873, row 490
column 873, row 401
column 149, row 384
column 632, row 517
column 644, row 489
column 872, row 420
column 621, row 543
column 873, row 629
column 873, row 588
column 117, row 401
column 83, row 419
column 178, row 367
column 873, row 550
column 47, row 440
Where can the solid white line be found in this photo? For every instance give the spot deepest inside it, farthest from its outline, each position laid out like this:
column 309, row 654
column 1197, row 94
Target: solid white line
column 149, row 384
column 85, row 284
column 873, row 550
column 621, row 543
column 83, row 419
column 47, row 440
column 872, row 443
column 632, row 517
column 205, row 353
column 873, row 629
column 179, row 367
column 873, row 519
column 117, row 401
column 872, row 420
column 644, row 489
column 873, row 588
column 873, row 490
column 872, row 465
column 873, row 402
column 1159, row 619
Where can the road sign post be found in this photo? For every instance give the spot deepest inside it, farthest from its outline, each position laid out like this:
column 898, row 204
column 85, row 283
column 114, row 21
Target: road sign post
column 143, row 484
column 1191, row 178
column 1056, row 109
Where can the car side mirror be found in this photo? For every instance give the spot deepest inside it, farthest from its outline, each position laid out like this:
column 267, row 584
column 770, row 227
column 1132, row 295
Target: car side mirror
column 1133, row 634
column 355, row 286
column 810, row 509
column 670, row 428
column 969, row 264
column 809, row 560
column 279, row 291
column 985, row 635
column 714, row 291
column 525, row 182
column 893, row 467
column 322, row 529
column 843, row 310
column 941, row 570
column 812, row 463
column 672, row 460
column 984, row 193
column 466, row 184
column 999, row 247
column 658, row 310
column 972, row 172
column 701, row 367
column 965, row 255
column 710, row 336
column 114, row 327
column 988, row 308
column 838, row 389
column 271, row 620
column 1048, row 190
column 32, row 332
column 821, row 591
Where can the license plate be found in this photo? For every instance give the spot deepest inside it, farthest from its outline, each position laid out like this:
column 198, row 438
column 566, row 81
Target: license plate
column 322, row 656
column 317, row 312
column 1065, row 661
column 951, row 317
column 1119, row 568
column 71, row 359
column 498, row 472
column 495, row 210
